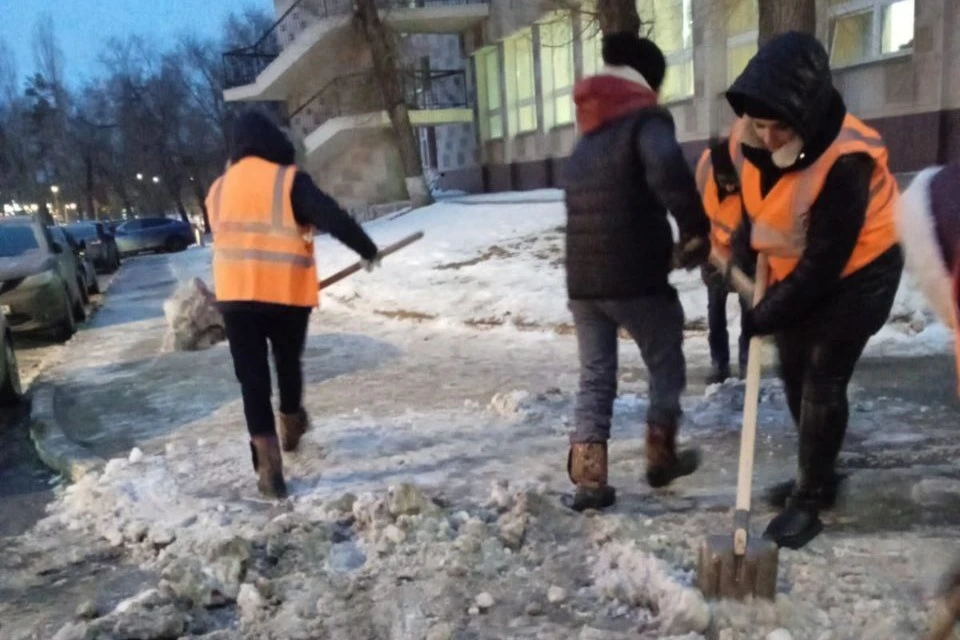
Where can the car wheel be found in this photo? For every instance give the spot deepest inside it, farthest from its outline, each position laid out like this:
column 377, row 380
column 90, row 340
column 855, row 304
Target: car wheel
column 175, row 244
column 11, row 393
column 68, row 325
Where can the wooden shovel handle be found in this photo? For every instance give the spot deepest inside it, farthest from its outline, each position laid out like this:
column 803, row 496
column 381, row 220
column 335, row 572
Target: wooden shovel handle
column 356, row 266
column 748, row 435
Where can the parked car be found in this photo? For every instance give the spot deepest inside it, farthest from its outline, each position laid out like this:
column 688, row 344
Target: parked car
column 11, row 390
column 41, row 288
column 88, row 272
column 98, row 243
column 154, row 234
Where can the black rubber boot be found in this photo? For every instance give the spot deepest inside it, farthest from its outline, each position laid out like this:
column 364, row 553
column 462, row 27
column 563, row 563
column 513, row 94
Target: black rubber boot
column 587, row 469
column 778, row 494
column 798, row 524
column 718, row 374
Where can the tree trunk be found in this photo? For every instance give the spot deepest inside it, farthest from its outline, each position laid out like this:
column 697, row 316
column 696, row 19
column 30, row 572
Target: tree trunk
column 386, row 69
column 780, row 16
column 616, row 16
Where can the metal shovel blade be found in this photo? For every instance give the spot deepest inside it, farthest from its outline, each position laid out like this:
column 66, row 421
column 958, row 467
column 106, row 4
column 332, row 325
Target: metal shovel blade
column 721, row 574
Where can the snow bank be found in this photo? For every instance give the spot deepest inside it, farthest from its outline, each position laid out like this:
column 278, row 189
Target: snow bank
column 497, row 260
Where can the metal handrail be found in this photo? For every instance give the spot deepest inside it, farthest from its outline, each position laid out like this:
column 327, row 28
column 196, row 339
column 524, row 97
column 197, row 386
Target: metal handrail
column 359, row 93
column 242, row 65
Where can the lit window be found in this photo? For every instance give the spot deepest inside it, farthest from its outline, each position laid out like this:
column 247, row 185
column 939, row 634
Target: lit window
column 556, row 70
column 669, row 23
column 865, row 30
column 489, row 102
column 521, row 91
column 742, row 18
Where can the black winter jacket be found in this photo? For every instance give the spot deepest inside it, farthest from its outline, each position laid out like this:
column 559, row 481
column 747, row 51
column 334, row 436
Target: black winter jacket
column 791, row 77
column 620, row 182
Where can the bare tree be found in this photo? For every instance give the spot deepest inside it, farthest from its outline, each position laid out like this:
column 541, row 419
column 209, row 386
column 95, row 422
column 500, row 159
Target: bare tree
column 779, row 16
column 385, row 51
column 615, row 16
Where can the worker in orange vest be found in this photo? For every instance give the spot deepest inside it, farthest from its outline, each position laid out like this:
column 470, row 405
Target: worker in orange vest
column 820, row 200
column 719, row 187
column 264, row 213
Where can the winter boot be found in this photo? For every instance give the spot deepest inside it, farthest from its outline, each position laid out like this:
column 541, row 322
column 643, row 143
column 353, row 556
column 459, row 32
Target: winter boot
column 799, row 522
column 292, row 427
column 268, row 463
column 664, row 463
column 718, row 374
column 587, row 468
column 778, row 494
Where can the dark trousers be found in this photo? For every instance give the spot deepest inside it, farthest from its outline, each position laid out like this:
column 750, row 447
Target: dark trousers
column 656, row 324
column 249, row 330
column 718, row 336
column 816, row 371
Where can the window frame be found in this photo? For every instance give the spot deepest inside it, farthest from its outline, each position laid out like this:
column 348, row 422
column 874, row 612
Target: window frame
column 486, row 114
column 553, row 95
column 682, row 56
column 875, row 46
column 514, row 107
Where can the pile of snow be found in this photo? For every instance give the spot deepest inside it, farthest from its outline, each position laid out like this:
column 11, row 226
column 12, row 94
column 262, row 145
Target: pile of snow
column 498, row 260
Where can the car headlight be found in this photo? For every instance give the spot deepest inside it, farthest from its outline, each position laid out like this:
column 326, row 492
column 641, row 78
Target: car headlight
column 38, row 279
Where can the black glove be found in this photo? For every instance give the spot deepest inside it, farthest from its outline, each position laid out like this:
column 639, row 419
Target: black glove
column 748, row 325
column 691, row 252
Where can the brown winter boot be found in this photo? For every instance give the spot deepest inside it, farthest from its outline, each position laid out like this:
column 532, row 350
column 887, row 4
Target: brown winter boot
column 664, row 464
column 268, row 463
column 292, row 428
column 587, row 468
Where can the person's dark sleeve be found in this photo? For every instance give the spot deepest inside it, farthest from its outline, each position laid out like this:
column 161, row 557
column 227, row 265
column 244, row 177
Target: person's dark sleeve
column 669, row 177
column 312, row 207
column 836, row 219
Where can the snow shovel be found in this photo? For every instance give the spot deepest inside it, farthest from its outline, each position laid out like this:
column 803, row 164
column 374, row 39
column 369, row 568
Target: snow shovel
column 740, row 565
column 357, row 266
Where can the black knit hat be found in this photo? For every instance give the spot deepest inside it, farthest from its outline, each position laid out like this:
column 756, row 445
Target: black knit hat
column 627, row 49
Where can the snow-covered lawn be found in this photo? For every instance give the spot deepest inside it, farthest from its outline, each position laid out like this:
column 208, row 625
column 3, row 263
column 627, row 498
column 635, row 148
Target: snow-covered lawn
column 497, row 260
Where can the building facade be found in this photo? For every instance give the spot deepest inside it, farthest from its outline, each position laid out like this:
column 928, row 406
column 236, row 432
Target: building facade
column 894, row 62
column 491, row 82
column 315, row 64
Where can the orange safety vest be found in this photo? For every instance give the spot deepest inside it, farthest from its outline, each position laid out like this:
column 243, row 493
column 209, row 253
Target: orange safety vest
column 780, row 218
column 260, row 253
column 724, row 214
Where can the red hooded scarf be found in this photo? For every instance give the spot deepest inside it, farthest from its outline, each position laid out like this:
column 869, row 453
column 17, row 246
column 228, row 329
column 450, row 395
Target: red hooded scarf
column 611, row 94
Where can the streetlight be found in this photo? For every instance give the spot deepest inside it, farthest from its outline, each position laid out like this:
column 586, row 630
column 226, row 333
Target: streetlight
column 139, row 176
column 156, row 179
column 56, row 200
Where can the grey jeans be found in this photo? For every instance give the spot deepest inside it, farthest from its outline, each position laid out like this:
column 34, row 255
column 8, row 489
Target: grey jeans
column 656, row 324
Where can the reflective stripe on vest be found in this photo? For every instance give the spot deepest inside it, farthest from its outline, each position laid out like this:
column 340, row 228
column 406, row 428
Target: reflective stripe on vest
column 780, row 218
column 261, row 254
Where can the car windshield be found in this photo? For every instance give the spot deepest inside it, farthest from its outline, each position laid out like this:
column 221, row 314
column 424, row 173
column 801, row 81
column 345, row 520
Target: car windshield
column 17, row 239
column 82, row 231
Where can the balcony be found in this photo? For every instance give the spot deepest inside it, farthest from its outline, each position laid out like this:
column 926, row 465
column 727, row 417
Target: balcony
column 301, row 40
column 352, row 104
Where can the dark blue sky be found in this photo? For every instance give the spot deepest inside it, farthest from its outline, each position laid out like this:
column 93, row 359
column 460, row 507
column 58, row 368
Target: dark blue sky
column 84, row 26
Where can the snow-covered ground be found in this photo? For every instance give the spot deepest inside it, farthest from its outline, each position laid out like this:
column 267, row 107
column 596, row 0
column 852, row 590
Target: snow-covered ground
column 425, row 499
column 497, row 260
